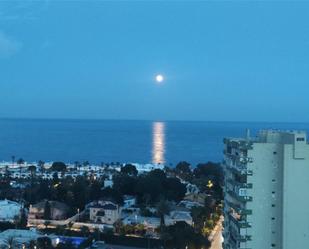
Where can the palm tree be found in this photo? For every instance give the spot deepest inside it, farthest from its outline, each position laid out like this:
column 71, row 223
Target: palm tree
column 70, row 225
column 162, row 209
column 10, row 242
column 7, row 172
column 20, row 161
column 41, row 165
column 13, row 160
column 32, row 170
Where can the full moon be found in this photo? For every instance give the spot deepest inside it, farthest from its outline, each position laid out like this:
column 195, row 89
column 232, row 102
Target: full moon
column 159, row 78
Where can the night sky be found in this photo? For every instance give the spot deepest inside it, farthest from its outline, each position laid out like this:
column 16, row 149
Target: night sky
column 221, row 61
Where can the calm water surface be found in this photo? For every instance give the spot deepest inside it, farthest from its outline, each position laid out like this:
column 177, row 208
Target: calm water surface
column 124, row 141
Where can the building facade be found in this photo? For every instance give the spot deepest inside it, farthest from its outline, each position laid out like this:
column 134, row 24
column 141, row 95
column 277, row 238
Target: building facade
column 266, row 184
column 105, row 212
column 10, row 210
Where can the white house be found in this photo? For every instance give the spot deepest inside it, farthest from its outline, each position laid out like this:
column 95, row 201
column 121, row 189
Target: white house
column 105, row 212
column 9, row 210
column 108, row 183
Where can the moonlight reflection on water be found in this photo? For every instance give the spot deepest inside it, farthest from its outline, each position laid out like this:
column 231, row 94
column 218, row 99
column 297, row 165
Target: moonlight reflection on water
column 158, row 142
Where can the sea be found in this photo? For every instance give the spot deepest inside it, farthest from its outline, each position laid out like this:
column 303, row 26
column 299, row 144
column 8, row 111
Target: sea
column 106, row 141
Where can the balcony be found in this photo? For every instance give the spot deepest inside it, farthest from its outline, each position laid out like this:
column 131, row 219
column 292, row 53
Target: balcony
column 238, row 209
column 240, row 223
column 238, row 197
column 244, row 238
column 240, row 184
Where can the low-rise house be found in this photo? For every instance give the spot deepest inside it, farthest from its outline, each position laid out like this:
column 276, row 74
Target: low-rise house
column 189, row 204
column 192, row 189
column 176, row 216
column 154, row 222
column 108, row 183
column 58, row 210
column 17, row 238
column 199, row 198
column 129, row 201
column 10, row 210
column 105, row 212
column 149, row 222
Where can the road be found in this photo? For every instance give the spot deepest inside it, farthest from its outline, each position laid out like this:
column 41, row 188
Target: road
column 216, row 238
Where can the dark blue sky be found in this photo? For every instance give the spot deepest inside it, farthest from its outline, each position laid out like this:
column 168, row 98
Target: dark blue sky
column 230, row 60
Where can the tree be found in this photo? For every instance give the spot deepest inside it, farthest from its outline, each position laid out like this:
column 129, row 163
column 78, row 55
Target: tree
column 210, row 170
column 181, row 236
column 46, row 224
column 175, row 190
column 183, row 170
column 70, row 225
column 47, row 211
column 86, row 163
column 41, row 165
column 210, row 173
column 32, row 170
column 44, row 243
column 112, row 194
column 77, row 165
column 20, row 161
column 66, row 245
column 95, row 190
column 199, row 216
column 60, row 229
column 22, row 219
column 58, row 166
column 125, row 184
column 162, row 209
column 10, row 242
column 85, row 231
column 129, row 169
column 183, row 167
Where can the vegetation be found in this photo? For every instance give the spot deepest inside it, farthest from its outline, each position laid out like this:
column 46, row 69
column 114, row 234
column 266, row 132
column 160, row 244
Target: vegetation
column 182, row 236
column 129, row 169
column 58, row 166
column 157, row 189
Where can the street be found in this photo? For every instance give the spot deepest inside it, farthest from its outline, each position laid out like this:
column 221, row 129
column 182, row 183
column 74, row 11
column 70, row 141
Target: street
column 216, row 237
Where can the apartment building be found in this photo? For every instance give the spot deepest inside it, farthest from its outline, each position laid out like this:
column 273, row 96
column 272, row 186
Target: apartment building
column 266, row 191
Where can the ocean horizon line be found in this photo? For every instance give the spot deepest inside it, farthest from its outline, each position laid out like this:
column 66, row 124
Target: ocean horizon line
column 150, row 120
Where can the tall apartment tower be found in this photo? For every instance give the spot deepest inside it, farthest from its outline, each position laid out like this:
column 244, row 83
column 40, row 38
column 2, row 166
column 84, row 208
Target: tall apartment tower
column 267, row 191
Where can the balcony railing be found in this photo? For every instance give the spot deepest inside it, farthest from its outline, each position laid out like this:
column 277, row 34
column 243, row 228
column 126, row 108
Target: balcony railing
column 240, row 184
column 239, row 210
column 238, row 197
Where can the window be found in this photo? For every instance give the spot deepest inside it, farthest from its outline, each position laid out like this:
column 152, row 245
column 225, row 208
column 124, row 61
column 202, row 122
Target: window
column 300, row 139
column 273, row 218
column 275, row 152
column 273, row 205
column 273, row 245
column 273, row 180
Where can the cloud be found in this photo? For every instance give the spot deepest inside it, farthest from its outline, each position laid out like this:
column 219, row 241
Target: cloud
column 8, row 45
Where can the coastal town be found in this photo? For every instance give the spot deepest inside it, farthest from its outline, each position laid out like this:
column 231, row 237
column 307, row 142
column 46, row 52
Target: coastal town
column 84, row 205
